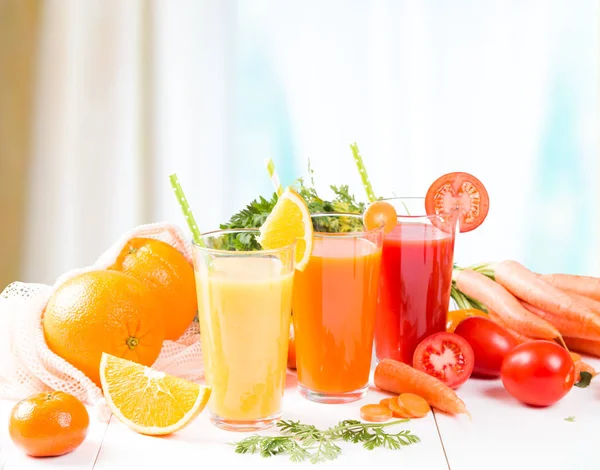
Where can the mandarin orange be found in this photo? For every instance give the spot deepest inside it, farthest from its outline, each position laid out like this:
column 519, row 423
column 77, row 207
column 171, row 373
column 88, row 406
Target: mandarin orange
column 48, row 424
column 103, row 311
column 165, row 271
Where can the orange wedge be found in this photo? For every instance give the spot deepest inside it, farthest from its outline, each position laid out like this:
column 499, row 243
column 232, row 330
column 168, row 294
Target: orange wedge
column 289, row 222
column 149, row 401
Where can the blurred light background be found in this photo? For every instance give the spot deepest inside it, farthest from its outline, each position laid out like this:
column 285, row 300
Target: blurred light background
column 100, row 100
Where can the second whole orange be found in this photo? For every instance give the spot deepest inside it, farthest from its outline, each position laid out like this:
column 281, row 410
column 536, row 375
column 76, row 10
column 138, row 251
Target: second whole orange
column 103, row 311
column 166, row 272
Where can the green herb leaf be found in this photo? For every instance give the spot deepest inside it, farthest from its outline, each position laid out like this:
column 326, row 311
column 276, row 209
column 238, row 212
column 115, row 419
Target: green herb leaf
column 584, row 380
column 256, row 212
column 306, row 442
column 571, row 419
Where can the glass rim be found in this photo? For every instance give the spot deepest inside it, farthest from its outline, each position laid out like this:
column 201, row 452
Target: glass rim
column 344, row 234
column 419, row 216
column 219, row 232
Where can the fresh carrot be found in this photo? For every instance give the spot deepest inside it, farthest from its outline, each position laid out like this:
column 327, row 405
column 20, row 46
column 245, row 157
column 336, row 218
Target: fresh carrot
column 584, row 325
column 397, row 377
column 398, row 411
column 520, row 337
column 585, row 346
column 416, row 406
column 495, row 297
column 593, row 305
column 375, row 413
column 564, row 309
column 586, row 286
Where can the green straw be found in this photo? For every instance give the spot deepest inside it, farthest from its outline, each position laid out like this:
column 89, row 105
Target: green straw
column 363, row 172
column 185, row 208
column 360, row 166
column 274, row 177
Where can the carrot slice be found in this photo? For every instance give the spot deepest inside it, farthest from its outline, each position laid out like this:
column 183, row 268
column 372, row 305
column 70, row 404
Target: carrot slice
column 375, row 413
column 397, row 409
column 416, row 406
column 386, row 401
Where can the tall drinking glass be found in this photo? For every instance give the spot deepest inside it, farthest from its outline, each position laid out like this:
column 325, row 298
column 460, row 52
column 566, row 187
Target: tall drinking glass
column 335, row 298
column 244, row 307
column 416, row 277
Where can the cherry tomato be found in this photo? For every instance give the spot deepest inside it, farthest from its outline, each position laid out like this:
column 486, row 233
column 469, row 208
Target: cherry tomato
column 490, row 343
column 445, row 356
column 538, row 373
column 462, row 190
column 454, row 317
column 378, row 213
column 291, row 358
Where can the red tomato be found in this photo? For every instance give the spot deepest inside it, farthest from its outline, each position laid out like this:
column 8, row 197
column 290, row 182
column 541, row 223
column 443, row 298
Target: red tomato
column 291, row 359
column 462, row 190
column 538, row 373
column 490, row 343
column 445, row 356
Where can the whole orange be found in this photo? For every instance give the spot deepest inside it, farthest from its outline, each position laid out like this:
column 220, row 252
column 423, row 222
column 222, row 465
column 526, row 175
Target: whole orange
column 48, row 424
column 103, row 311
column 165, row 271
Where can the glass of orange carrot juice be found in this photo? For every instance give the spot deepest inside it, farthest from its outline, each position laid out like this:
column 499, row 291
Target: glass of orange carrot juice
column 334, row 305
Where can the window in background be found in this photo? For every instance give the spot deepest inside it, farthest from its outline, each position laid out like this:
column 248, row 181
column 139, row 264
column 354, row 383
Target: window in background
column 126, row 93
column 506, row 90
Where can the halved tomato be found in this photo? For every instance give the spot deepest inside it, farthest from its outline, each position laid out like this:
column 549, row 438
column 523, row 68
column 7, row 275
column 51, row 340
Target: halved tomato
column 445, row 356
column 460, row 190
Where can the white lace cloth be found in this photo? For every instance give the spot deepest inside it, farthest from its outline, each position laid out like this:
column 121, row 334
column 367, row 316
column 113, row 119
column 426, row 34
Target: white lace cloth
column 27, row 366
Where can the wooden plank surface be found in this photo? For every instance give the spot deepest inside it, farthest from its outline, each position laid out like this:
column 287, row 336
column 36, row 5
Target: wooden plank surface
column 502, row 434
column 202, row 442
column 505, row 434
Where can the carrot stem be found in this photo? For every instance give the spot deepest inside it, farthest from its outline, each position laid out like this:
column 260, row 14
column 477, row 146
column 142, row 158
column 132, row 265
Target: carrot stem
column 489, row 269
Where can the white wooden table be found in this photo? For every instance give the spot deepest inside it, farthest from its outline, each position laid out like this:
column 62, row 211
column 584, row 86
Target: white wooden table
column 503, row 434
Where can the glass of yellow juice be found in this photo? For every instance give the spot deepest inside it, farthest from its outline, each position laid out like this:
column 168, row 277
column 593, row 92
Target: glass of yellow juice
column 244, row 308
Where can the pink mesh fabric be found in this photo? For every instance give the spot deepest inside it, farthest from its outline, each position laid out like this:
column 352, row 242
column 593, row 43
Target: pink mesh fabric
column 27, row 366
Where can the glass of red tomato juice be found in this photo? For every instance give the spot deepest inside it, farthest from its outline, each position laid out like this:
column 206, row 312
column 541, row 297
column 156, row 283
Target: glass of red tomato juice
column 416, row 277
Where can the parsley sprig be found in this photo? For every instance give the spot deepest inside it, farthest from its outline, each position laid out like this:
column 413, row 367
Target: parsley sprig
column 255, row 213
column 306, row 442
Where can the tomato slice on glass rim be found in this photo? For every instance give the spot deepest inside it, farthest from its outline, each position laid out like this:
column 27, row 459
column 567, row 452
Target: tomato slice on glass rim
column 445, row 356
column 460, row 190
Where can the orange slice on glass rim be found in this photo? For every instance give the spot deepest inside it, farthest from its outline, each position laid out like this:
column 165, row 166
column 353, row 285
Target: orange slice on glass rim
column 289, row 222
